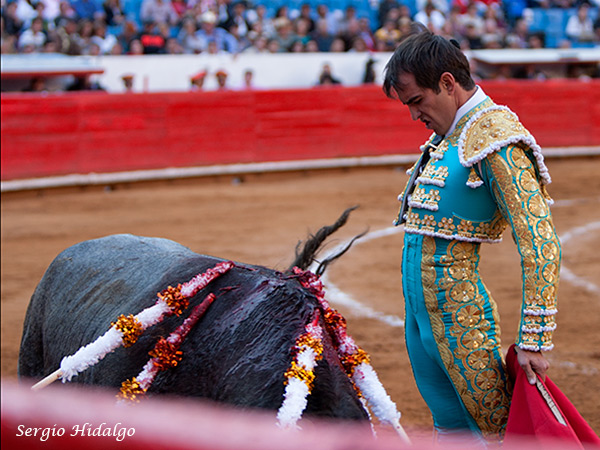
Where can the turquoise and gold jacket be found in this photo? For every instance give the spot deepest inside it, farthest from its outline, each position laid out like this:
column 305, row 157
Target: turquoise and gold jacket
column 487, row 175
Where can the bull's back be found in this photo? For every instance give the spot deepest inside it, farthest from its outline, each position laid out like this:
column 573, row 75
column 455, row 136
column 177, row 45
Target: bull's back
column 89, row 285
column 237, row 353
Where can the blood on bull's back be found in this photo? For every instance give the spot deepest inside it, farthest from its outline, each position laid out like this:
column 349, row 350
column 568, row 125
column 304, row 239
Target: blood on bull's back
column 237, row 353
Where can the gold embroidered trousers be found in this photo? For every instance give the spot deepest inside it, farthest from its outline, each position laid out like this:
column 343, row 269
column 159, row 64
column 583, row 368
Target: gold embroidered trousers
column 453, row 335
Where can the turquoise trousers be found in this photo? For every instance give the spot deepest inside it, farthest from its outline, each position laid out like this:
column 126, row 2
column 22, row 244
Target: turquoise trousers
column 453, row 336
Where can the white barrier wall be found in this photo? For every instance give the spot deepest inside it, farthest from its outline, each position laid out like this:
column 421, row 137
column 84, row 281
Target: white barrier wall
column 172, row 73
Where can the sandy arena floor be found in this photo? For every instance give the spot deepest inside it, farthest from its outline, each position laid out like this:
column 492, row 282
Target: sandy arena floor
column 259, row 219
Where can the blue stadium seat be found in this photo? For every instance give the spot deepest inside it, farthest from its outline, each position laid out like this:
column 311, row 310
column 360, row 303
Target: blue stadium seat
column 540, row 20
column 557, row 22
column 132, row 9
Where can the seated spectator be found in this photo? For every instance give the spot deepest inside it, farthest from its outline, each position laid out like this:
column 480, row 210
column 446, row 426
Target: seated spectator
column 259, row 45
column 8, row 44
column 473, row 40
column 113, row 12
column 117, row 49
column 472, row 19
column 13, row 25
column 237, row 17
column 306, row 14
column 65, row 12
column 282, row 11
column 349, row 32
column 358, row 45
column 152, row 40
column 431, row 18
column 333, row 18
column 297, row 47
column 209, row 32
column 173, row 46
column 348, row 17
column 273, row 46
column 536, row 40
column 442, row 6
column 311, row 47
column 260, row 20
column 92, row 50
column 580, row 27
column 104, row 41
column 84, row 34
column 384, row 8
column 158, row 11
column 190, row 42
column 404, row 27
column 302, row 30
column 321, row 36
column 242, row 42
column 285, row 32
column 388, row 36
column 337, row 46
column 135, row 47
column 365, row 33
column 33, row 38
column 517, row 38
column 128, row 33
column 50, row 47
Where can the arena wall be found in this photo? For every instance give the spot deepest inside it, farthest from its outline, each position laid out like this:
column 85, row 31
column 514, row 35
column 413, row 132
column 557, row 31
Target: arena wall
column 67, row 133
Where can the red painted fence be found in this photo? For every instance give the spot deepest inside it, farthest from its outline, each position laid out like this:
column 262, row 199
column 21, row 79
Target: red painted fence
column 64, row 133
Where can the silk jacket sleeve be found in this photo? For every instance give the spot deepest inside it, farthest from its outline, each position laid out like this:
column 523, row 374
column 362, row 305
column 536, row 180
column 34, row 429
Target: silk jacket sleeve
column 513, row 180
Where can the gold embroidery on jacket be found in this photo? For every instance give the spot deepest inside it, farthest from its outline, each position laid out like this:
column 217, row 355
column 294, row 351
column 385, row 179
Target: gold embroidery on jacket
column 525, row 204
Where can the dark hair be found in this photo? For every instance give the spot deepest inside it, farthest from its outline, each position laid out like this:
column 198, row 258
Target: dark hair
column 427, row 56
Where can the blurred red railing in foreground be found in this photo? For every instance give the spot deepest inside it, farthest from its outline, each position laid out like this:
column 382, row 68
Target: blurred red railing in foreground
column 170, row 424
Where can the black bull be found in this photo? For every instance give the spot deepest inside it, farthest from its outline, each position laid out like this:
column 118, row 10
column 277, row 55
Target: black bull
column 237, row 353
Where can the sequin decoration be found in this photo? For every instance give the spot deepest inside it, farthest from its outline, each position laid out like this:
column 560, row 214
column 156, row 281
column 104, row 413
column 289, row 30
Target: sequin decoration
column 130, row 327
column 522, row 201
column 467, row 341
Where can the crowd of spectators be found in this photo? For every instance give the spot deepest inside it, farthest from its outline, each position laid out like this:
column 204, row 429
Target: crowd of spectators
column 88, row 27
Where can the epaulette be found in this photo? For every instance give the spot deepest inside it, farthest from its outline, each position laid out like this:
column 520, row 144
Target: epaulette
column 491, row 129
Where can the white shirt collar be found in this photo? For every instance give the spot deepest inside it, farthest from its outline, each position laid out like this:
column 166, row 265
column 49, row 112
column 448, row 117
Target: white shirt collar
column 475, row 99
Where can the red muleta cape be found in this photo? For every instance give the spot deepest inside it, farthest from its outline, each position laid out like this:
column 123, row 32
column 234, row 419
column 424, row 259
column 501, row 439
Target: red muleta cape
column 543, row 413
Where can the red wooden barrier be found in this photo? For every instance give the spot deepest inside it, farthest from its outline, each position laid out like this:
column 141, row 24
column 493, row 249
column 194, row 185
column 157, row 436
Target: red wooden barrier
column 65, row 133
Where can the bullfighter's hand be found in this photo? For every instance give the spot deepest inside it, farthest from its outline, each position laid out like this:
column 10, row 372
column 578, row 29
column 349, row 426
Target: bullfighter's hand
column 532, row 363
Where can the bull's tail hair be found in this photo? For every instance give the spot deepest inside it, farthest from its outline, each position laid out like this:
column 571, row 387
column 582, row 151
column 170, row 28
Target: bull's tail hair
column 306, row 252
